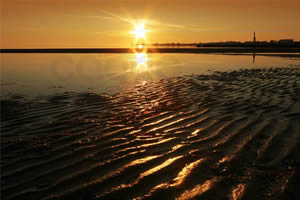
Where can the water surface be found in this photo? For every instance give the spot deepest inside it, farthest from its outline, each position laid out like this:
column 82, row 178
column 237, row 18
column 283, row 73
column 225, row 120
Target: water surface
column 33, row 75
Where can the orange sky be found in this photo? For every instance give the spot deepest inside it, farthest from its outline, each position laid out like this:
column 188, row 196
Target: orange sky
column 104, row 23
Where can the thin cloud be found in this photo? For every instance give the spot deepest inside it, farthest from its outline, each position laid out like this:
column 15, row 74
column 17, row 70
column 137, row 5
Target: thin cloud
column 119, row 17
column 99, row 16
column 175, row 26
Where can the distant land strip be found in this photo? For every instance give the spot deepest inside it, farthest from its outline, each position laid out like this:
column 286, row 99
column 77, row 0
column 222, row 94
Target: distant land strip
column 156, row 50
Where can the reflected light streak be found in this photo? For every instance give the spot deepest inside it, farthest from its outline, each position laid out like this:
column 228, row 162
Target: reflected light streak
column 198, row 190
column 141, row 161
column 159, row 167
column 238, row 192
column 185, row 172
column 177, row 147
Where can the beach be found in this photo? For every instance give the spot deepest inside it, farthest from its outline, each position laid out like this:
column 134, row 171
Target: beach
column 224, row 135
column 150, row 100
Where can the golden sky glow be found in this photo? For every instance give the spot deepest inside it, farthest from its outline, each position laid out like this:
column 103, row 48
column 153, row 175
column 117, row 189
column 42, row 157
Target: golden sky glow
column 109, row 23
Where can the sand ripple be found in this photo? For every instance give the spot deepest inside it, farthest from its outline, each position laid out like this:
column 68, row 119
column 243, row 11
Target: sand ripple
column 229, row 135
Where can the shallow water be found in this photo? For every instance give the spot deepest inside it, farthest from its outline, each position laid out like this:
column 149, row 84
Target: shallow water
column 32, row 75
column 185, row 133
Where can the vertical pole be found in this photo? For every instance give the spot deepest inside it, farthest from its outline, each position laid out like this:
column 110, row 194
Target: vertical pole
column 254, row 47
column 254, row 41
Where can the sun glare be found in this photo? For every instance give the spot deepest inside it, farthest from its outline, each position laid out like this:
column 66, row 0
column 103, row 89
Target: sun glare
column 140, row 31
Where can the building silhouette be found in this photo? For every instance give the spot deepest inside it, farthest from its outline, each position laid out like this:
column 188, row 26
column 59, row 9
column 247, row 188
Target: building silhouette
column 286, row 41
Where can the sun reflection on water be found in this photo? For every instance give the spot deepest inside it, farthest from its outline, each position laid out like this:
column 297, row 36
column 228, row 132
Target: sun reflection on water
column 141, row 60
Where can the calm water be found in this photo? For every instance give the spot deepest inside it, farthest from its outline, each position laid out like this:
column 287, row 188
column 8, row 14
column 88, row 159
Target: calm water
column 33, row 75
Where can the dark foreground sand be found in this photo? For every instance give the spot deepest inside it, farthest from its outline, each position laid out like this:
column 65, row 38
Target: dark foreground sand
column 229, row 135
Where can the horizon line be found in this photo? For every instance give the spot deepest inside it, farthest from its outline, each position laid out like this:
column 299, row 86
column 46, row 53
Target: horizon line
column 156, row 50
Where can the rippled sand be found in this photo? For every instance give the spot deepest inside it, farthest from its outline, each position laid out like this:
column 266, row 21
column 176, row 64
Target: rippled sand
column 229, row 135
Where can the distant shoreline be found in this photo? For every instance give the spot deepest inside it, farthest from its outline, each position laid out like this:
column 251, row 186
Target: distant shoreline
column 155, row 50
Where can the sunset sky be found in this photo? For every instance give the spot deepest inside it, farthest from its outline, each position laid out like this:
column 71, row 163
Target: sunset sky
column 109, row 23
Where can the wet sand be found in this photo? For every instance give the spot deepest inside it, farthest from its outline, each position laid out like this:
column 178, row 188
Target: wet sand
column 228, row 135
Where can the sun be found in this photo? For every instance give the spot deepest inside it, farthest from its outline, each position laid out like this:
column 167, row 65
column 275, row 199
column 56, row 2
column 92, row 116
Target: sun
column 140, row 31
